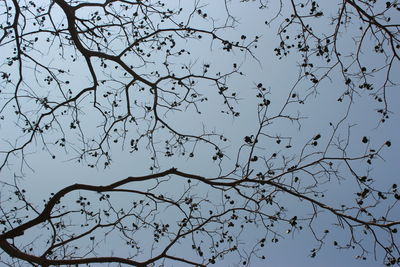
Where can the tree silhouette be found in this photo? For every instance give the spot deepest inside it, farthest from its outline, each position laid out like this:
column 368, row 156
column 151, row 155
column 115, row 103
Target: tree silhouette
column 87, row 78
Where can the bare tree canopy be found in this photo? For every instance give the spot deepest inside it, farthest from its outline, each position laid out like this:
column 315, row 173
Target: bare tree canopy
column 243, row 122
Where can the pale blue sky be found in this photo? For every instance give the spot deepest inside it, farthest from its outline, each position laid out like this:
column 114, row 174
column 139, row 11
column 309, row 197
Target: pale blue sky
column 47, row 175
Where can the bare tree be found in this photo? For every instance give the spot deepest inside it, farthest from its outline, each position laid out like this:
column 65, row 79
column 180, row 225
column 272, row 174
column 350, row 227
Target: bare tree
column 91, row 77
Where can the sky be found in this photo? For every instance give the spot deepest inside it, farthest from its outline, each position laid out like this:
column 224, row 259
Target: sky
column 41, row 175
